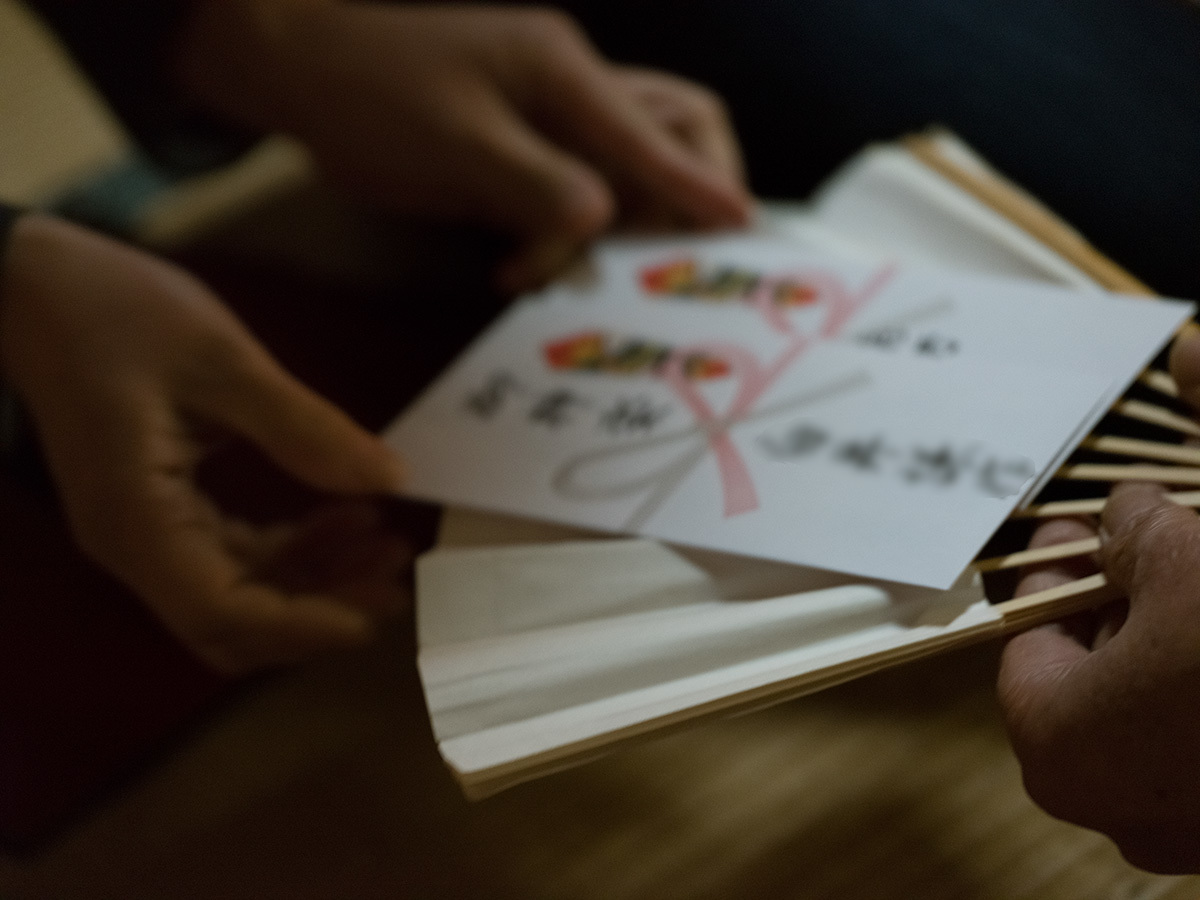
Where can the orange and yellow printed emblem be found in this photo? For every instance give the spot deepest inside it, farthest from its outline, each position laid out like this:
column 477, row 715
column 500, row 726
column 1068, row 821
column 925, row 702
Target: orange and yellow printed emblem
column 675, row 277
column 596, row 351
column 683, row 277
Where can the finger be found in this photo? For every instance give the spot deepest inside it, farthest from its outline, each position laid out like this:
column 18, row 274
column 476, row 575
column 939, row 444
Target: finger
column 301, row 431
column 174, row 552
column 524, row 184
column 1033, row 666
column 345, row 552
column 381, row 586
column 693, row 112
column 144, row 521
column 536, row 263
column 1184, row 363
column 1150, row 549
column 255, row 627
column 327, row 546
column 256, row 545
column 643, row 213
column 1051, row 574
column 1110, row 618
column 204, row 594
column 599, row 116
column 1089, row 629
column 1034, row 663
column 1044, row 576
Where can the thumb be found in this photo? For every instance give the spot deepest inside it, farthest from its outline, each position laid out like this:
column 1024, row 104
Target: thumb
column 535, row 263
column 610, row 126
column 1184, row 363
column 299, row 430
column 527, row 185
column 1149, row 548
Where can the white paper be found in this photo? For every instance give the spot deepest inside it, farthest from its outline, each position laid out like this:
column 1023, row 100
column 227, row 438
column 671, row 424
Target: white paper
column 527, row 649
column 868, row 420
column 884, row 200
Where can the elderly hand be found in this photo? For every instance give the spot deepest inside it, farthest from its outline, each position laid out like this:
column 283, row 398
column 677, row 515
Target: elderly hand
column 129, row 367
column 1102, row 710
column 502, row 116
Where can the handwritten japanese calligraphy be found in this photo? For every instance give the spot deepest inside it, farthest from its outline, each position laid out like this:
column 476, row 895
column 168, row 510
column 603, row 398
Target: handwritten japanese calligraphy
column 928, row 463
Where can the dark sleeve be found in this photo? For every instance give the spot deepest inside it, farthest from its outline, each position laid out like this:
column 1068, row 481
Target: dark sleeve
column 124, row 48
column 1092, row 105
column 8, row 217
column 18, row 452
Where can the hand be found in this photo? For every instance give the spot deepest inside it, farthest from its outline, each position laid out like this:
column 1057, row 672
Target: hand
column 506, row 117
column 129, row 367
column 1102, row 709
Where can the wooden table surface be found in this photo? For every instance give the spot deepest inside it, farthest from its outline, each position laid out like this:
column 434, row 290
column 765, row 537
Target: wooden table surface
column 324, row 783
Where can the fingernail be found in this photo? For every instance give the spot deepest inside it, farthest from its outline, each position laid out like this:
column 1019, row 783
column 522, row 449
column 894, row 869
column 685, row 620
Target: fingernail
column 1103, row 535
